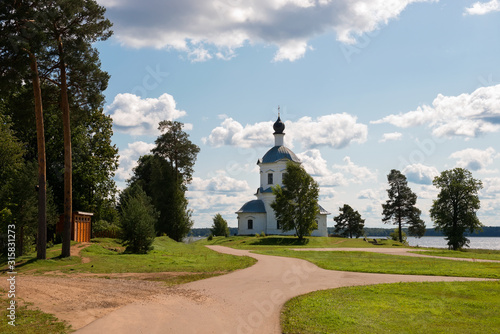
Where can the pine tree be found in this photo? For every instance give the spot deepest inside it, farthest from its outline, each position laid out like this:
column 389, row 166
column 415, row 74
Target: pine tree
column 349, row 222
column 400, row 207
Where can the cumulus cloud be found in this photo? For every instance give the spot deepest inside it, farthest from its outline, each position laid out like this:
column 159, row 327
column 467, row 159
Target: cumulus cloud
column 314, row 164
column 420, row 174
column 360, row 174
column 391, row 137
column 218, row 27
column 232, row 133
column 475, row 159
column 467, row 115
column 220, row 182
column 335, row 130
column 481, row 8
column 129, row 156
column 136, row 116
column 491, row 186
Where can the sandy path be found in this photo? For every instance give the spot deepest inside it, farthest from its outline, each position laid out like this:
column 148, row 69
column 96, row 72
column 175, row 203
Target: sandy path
column 392, row 251
column 245, row 301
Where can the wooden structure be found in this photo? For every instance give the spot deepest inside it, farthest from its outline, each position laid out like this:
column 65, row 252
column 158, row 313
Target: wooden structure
column 81, row 226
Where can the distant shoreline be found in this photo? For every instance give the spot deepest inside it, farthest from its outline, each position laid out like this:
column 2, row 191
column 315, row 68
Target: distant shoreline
column 488, row 231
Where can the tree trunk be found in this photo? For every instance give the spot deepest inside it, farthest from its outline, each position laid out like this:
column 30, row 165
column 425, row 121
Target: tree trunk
column 68, row 188
column 42, row 180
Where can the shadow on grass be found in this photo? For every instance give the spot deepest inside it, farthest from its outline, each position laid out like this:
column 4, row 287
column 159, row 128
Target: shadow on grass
column 277, row 241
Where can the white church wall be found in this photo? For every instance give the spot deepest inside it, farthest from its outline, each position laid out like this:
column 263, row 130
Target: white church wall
column 258, row 222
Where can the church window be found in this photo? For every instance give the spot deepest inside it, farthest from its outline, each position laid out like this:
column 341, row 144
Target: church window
column 278, row 225
column 250, row 224
column 270, row 178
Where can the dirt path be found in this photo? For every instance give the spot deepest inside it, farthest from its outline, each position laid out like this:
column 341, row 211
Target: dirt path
column 245, row 301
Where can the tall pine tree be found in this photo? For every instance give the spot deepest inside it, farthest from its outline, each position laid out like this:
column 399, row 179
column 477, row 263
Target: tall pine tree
column 400, row 207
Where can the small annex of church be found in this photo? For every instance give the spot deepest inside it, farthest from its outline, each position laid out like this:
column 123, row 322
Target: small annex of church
column 257, row 216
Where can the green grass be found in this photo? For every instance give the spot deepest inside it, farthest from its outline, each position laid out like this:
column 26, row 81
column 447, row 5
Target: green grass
column 392, row 264
column 30, row 321
column 106, row 256
column 273, row 242
column 443, row 307
column 484, row 254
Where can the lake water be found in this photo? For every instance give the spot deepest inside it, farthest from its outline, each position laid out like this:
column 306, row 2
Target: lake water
column 440, row 242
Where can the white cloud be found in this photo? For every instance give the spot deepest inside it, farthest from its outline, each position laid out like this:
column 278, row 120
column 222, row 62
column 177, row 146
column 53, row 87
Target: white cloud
column 475, row 159
column 313, row 162
column 420, row 174
column 468, row 115
column 215, row 25
column 218, row 183
column 232, row 133
column 335, row 130
column 359, row 174
column 129, row 157
column 481, row 8
column 391, row 136
column 491, row 186
column 136, row 116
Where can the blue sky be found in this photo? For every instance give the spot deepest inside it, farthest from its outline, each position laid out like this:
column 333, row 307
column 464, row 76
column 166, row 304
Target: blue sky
column 364, row 86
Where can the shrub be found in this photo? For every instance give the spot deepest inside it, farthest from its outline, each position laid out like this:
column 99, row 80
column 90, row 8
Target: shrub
column 138, row 218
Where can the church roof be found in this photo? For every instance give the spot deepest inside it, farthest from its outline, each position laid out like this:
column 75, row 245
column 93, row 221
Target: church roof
column 255, row 206
column 278, row 153
column 322, row 211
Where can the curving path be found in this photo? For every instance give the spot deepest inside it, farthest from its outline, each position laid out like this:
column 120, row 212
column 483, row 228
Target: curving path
column 243, row 302
column 393, row 251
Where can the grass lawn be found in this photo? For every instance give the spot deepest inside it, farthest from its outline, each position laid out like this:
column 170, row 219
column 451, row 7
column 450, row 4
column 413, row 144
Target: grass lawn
column 106, row 256
column 485, row 254
column 29, row 321
column 392, row 264
column 443, row 307
column 274, row 242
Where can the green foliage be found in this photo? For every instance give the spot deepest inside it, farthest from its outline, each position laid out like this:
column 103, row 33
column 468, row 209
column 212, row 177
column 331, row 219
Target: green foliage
column 400, row 207
column 219, row 226
column 440, row 307
column 158, row 179
column 23, row 204
column 296, row 204
column 454, row 211
column 395, row 236
column 175, row 147
column 349, row 222
column 138, row 218
column 103, row 228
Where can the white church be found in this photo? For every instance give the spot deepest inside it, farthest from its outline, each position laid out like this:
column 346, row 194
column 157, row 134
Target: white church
column 257, row 216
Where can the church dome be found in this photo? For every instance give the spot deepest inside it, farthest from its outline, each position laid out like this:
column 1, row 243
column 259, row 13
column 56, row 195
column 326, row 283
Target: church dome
column 278, row 153
column 278, row 126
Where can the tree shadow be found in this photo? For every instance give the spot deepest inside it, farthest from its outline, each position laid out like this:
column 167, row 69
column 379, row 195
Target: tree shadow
column 279, row 241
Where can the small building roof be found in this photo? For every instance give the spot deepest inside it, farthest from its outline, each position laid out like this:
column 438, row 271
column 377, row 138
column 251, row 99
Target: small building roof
column 278, row 153
column 322, row 211
column 255, row 206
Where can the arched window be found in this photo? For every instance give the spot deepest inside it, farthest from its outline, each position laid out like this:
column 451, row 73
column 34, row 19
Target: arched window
column 250, row 224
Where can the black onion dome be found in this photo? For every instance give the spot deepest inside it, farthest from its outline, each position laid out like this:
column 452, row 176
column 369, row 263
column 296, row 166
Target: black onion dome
column 278, row 126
